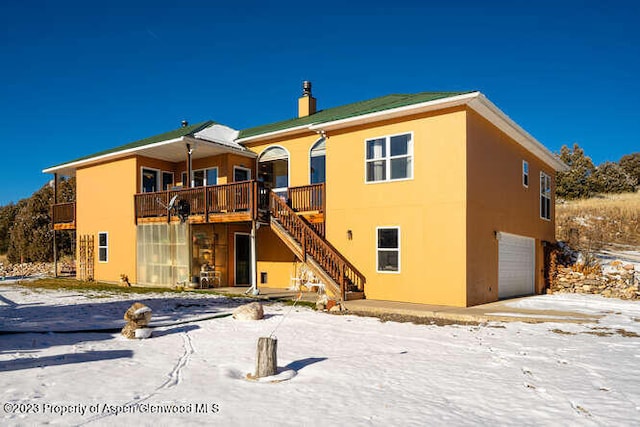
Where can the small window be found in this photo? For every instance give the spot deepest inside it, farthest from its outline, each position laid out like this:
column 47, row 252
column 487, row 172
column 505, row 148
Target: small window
column 103, row 247
column 183, row 177
column 545, row 196
column 204, row 177
column 389, row 158
column 167, row 180
column 150, row 180
column 525, row 173
column 388, row 250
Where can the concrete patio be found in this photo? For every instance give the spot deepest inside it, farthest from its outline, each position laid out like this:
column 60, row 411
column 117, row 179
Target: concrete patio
column 499, row 311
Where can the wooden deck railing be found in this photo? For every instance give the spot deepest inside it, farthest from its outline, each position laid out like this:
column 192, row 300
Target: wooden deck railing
column 331, row 261
column 307, row 198
column 230, row 198
column 63, row 213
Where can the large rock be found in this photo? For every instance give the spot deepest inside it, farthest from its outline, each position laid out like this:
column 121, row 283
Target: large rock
column 251, row 311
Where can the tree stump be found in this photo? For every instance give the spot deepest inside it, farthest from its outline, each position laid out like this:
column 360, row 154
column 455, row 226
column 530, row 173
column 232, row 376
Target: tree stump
column 267, row 358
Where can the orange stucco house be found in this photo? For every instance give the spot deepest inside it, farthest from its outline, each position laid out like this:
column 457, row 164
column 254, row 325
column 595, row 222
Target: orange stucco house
column 434, row 197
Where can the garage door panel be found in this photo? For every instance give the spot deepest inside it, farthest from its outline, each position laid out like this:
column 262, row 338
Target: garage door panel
column 516, row 265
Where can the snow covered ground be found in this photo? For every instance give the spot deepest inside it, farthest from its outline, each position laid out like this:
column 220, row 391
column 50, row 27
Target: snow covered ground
column 350, row 370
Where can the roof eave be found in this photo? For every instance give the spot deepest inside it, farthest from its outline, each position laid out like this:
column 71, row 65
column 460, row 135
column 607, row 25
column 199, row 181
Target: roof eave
column 491, row 112
column 392, row 113
column 274, row 134
column 422, row 107
column 109, row 156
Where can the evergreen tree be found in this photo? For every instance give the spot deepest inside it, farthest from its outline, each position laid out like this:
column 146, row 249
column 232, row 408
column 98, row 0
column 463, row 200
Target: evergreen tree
column 577, row 181
column 31, row 234
column 7, row 218
column 631, row 165
column 610, row 177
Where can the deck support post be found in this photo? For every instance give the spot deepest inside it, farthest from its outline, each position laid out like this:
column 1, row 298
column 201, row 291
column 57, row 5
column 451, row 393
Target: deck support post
column 55, row 202
column 188, row 183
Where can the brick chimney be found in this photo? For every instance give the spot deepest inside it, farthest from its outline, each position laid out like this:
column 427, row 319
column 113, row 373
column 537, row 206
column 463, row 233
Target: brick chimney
column 306, row 103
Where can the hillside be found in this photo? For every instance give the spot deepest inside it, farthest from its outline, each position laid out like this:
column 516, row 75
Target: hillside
column 611, row 220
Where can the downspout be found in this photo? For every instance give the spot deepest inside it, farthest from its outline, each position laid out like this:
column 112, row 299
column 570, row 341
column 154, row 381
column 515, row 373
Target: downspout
column 253, row 290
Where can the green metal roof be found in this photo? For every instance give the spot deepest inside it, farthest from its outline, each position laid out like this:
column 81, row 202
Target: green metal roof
column 350, row 110
column 176, row 133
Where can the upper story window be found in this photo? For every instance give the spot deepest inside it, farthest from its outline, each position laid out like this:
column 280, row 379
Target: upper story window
column 545, row 196
column 155, row 180
column 273, row 169
column 525, row 173
column 240, row 173
column 150, row 180
column 204, row 177
column 317, row 162
column 167, row 180
column 389, row 158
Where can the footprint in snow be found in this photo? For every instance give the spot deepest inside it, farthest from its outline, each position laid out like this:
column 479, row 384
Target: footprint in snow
column 526, row 371
column 580, row 409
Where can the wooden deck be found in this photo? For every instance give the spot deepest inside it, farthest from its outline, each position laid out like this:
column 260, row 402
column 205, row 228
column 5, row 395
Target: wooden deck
column 63, row 216
column 234, row 202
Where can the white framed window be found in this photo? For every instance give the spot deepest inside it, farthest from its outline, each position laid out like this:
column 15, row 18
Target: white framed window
column 525, row 174
column 388, row 249
column 204, row 177
column 273, row 169
column 149, row 180
column 167, row 180
column 389, row 158
column 240, row 173
column 318, row 162
column 103, row 246
column 545, row 196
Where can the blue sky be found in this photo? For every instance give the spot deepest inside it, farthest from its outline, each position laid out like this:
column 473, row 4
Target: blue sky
column 80, row 77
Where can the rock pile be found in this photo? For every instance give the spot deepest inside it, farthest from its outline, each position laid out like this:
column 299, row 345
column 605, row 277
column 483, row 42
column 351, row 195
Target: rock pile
column 619, row 280
column 138, row 317
column 26, row 269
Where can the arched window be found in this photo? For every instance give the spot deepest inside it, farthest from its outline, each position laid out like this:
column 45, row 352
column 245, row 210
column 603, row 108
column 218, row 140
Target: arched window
column 273, row 169
column 317, row 162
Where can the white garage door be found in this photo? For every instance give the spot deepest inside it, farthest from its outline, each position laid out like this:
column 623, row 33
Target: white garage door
column 516, row 264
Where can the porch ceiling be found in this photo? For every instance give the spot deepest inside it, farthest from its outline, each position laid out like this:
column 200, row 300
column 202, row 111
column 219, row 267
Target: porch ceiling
column 172, row 151
column 176, row 151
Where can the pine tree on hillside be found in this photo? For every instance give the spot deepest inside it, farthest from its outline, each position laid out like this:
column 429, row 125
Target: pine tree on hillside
column 31, row 235
column 610, row 177
column 631, row 165
column 576, row 182
column 7, row 218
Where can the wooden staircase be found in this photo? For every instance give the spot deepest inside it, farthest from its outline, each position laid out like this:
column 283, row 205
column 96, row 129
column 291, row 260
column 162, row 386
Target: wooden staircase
column 340, row 277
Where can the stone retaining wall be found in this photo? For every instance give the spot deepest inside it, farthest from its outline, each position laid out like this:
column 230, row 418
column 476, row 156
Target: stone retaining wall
column 567, row 275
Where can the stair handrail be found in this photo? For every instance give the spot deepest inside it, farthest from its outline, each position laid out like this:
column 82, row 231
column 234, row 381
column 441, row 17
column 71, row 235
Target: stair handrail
column 331, row 261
